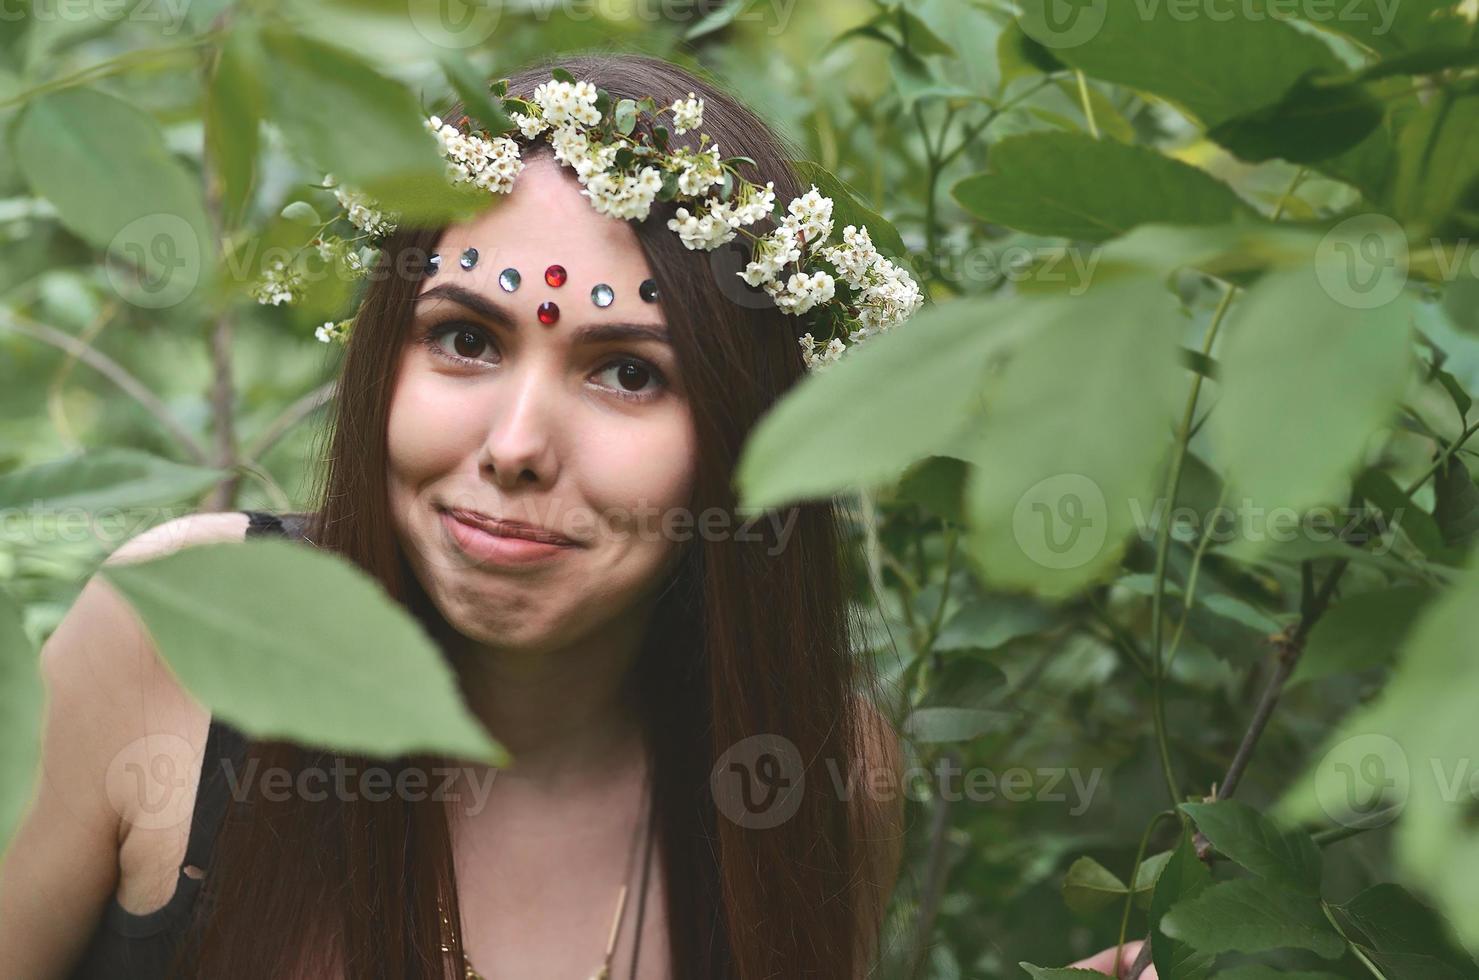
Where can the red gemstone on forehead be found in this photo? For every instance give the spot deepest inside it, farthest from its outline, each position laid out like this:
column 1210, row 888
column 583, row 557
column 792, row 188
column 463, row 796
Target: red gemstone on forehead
column 548, row 312
column 555, row 275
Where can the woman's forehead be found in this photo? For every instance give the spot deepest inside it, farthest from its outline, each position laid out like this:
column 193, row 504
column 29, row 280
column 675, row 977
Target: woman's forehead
column 545, row 220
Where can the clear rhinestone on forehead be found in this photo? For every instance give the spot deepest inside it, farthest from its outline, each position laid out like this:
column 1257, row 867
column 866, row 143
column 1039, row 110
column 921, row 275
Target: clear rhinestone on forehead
column 509, row 280
column 433, row 264
column 602, row 294
column 469, row 258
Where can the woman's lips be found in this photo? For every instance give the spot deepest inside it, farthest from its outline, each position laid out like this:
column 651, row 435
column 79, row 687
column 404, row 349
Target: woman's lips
column 499, row 549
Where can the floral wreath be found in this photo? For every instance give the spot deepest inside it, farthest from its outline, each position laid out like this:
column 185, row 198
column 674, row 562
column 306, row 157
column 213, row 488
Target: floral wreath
column 855, row 290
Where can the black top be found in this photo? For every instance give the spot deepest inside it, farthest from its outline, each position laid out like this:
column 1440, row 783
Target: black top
column 126, row 946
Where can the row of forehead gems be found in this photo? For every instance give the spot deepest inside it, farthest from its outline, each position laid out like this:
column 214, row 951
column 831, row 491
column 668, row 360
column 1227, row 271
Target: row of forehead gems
column 508, row 280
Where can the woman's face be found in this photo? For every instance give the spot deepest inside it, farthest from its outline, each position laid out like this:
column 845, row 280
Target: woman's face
column 586, row 434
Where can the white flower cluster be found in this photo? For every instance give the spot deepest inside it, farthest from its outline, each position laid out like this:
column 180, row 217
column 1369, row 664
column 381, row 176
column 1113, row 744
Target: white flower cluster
column 880, row 294
column 698, row 171
column 886, row 295
column 623, row 195
column 808, row 219
column 279, row 284
column 362, row 211
column 818, row 360
column 715, row 221
column 687, row 114
column 333, row 330
column 489, row 164
column 567, row 102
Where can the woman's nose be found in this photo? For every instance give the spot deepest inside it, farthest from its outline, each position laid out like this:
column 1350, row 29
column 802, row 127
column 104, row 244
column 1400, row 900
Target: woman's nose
column 519, row 447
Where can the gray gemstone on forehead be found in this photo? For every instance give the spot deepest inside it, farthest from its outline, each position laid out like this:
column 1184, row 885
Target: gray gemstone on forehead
column 509, row 280
column 469, row 258
column 433, row 264
column 648, row 290
column 602, row 294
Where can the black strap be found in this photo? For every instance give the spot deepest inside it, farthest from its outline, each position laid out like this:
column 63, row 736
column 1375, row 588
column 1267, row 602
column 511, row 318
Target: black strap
column 261, row 523
column 225, row 748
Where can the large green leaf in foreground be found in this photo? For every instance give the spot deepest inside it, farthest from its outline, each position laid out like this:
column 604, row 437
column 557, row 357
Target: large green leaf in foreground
column 288, row 642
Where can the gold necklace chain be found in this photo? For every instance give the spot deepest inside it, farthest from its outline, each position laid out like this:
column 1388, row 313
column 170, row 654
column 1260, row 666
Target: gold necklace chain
column 604, row 973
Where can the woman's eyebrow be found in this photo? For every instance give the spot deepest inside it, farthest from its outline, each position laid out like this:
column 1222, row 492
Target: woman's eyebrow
column 591, row 333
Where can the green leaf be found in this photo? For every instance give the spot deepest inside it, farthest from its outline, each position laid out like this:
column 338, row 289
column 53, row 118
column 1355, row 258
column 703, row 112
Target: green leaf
column 21, row 701
column 302, row 212
column 965, row 682
column 477, row 100
column 1183, row 878
column 936, row 485
column 1089, row 887
column 288, row 642
column 1403, row 937
column 1309, row 123
column 1272, row 373
column 1362, row 631
column 994, row 621
column 1073, row 186
column 332, row 106
column 1401, row 511
column 626, row 116
column 1413, row 748
column 104, row 478
column 1145, row 877
column 1438, row 162
column 234, row 104
column 1058, row 972
column 1018, row 55
column 1456, row 503
column 942, row 724
column 1250, row 915
column 848, row 209
column 1284, row 856
column 1255, row 971
column 1063, row 446
column 718, row 19
column 1389, row 27
column 907, row 392
column 105, row 167
column 917, row 36
column 1215, row 67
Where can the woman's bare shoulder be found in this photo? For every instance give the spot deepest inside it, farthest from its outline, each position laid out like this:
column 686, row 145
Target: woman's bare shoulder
column 182, row 532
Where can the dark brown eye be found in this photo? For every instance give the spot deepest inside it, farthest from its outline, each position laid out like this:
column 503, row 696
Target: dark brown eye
column 467, row 343
column 633, row 376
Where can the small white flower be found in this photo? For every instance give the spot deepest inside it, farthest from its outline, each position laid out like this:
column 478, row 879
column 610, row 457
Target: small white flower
column 771, row 254
column 364, row 214
column 278, row 285
column 706, row 229
column 829, row 355
column 530, row 125
column 814, row 214
column 754, row 203
column 801, row 292
column 700, row 171
column 564, row 102
column 688, row 114
column 623, row 195
column 333, row 331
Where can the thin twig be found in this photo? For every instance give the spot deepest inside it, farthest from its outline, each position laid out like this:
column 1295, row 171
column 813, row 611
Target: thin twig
column 290, row 417
column 113, row 371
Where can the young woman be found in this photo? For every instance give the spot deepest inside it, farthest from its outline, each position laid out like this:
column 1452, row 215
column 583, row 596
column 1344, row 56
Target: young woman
column 516, row 425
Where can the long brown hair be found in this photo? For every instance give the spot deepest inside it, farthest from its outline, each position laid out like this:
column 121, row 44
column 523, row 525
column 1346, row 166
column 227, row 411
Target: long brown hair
column 743, row 642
